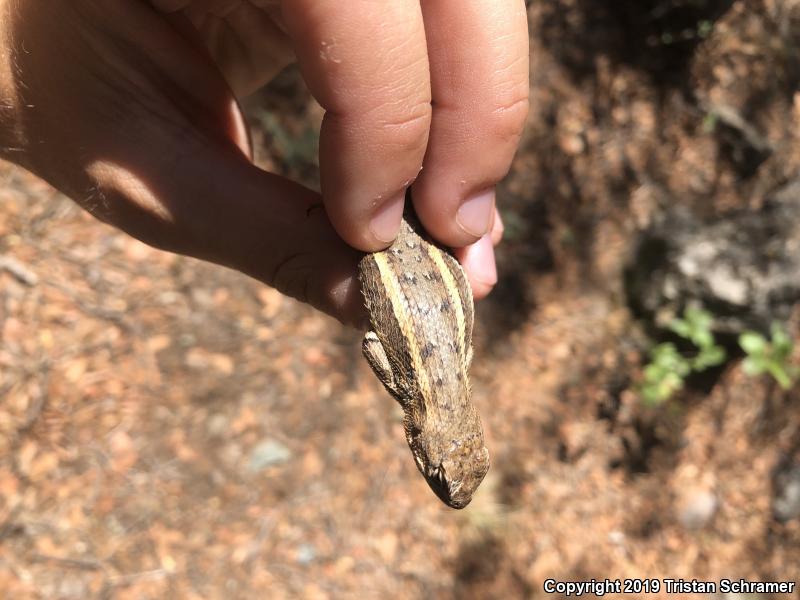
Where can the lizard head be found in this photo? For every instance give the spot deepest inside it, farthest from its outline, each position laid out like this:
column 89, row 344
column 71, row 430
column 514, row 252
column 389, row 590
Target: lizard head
column 453, row 465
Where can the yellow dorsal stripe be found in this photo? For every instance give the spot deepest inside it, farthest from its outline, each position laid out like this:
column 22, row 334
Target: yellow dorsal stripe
column 401, row 314
column 451, row 287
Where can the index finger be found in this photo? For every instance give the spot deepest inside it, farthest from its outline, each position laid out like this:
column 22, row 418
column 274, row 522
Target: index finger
column 366, row 63
column 478, row 53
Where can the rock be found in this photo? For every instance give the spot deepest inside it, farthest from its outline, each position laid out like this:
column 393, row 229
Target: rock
column 696, row 508
column 18, row 270
column 616, row 537
column 217, row 425
column 786, row 503
column 306, row 553
column 268, row 453
column 743, row 267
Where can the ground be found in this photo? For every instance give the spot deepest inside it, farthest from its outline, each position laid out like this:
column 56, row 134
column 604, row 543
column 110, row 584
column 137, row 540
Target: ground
column 172, row 429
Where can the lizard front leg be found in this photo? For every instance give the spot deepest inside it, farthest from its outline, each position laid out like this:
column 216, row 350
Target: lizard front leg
column 376, row 357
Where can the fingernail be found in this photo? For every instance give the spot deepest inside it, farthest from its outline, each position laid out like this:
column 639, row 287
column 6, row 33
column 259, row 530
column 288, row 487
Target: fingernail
column 479, row 261
column 385, row 224
column 475, row 214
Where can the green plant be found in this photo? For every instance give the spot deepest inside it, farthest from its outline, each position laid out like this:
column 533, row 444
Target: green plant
column 704, row 28
column 770, row 356
column 696, row 327
column 664, row 374
column 710, row 122
column 668, row 368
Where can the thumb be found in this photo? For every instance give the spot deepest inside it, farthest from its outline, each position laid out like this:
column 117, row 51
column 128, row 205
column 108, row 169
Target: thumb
column 219, row 207
column 278, row 232
column 142, row 130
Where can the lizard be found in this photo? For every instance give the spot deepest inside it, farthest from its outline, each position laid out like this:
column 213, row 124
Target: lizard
column 419, row 345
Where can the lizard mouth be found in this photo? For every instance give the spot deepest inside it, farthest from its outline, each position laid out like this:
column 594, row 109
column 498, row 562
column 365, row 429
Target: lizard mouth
column 440, row 489
column 437, row 480
column 452, row 500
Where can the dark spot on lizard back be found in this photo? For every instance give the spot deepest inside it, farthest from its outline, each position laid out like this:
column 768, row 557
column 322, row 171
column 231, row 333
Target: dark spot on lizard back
column 445, row 306
column 427, row 350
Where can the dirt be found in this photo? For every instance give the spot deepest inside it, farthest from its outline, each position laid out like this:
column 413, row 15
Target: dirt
column 172, row 429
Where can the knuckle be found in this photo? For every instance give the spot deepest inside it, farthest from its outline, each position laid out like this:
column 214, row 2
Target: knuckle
column 508, row 118
column 291, row 275
column 405, row 128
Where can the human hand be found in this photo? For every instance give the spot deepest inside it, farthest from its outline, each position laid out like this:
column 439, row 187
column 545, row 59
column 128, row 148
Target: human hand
column 122, row 108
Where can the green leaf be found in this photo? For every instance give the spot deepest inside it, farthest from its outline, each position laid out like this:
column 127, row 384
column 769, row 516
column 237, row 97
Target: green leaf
column 661, row 390
column 654, row 372
column 709, row 357
column 667, row 358
column 753, row 343
column 683, row 368
column 668, row 368
column 781, row 341
column 699, row 318
column 681, row 328
column 664, row 375
column 753, row 366
column 695, row 326
column 672, row 383
column 651, row 396
column 703, row 339
column 665, row 354
column 710, row 122
column 780, row 375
